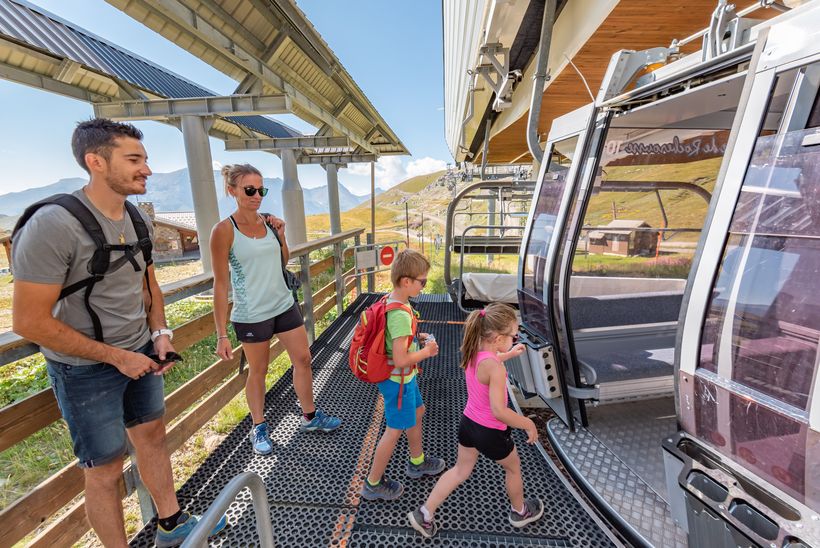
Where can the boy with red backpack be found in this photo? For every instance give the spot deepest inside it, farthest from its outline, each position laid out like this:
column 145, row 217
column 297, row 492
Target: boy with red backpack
column 389, row 357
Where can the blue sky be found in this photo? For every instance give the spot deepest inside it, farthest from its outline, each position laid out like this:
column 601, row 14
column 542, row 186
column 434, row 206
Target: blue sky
column 392, row 50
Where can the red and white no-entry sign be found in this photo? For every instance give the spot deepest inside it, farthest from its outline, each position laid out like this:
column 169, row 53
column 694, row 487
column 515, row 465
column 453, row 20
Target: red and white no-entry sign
column 386, row 256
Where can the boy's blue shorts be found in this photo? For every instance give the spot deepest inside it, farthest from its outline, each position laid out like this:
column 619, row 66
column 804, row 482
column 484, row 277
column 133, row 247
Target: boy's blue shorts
column 404, row 418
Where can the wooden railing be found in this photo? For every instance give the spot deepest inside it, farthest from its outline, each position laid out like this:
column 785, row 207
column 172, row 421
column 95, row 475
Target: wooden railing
column 20, row 420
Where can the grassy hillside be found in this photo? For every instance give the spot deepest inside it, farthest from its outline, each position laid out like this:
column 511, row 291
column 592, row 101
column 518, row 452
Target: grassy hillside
column 417, row 192
column 684, row 209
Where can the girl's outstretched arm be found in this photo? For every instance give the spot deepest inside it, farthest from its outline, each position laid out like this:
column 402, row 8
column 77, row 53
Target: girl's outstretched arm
column 513, row 352
column 498, row 385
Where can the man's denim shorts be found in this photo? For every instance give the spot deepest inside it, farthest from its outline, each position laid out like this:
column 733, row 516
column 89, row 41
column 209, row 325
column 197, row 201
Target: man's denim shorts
column 404, row 418
column 99, row 403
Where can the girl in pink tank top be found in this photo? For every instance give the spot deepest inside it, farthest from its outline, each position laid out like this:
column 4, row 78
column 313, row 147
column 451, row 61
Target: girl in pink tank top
column 489, row 336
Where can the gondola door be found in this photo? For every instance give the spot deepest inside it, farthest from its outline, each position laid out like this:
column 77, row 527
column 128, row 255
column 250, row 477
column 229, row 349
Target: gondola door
column 545, row 374
column 748, row 381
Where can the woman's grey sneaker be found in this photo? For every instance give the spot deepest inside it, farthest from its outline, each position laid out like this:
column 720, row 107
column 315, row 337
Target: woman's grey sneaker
column 427, row 529
column 533, row 510
column 260, row 439
column 321, row 422
column 386, row 489
column 432, row 466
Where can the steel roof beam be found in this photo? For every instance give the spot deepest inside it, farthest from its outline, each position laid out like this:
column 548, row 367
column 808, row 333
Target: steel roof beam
column 46, row 83
column 162, row 109
column 189, row 21
column 338, row 159
column 284, row 143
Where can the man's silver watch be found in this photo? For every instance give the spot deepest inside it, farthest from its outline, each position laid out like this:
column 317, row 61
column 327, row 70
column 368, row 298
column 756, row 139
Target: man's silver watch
column 161, row 332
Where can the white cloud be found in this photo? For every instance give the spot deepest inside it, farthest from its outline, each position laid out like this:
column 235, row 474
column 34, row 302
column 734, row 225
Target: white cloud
column 425, row 165
column 392, row 170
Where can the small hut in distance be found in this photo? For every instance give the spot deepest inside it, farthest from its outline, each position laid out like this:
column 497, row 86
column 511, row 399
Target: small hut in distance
column 623, row 237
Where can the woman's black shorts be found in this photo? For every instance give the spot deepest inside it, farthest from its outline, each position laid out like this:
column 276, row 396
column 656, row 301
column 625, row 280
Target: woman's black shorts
column 265, row 330
column 490, row 442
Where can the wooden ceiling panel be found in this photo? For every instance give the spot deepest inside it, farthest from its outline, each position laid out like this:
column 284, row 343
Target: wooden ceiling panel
column 633, row 24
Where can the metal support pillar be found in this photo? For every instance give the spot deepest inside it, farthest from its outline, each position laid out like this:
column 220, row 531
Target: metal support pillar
column 293, row 201
column 357, row 241
column 371, row 278
column 333, row 198
column 133, row 482
column 200, row 172
column 491, row 221
column 307, row 295
column 338, row 267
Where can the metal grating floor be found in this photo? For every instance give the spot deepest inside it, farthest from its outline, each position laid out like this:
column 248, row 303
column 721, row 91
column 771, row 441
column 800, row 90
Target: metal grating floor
column 619, row 457
column 313, row 480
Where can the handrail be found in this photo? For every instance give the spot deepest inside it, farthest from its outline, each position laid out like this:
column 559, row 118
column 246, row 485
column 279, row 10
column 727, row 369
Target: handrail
column 305, row 248
column 13, row 347
column 259, row 496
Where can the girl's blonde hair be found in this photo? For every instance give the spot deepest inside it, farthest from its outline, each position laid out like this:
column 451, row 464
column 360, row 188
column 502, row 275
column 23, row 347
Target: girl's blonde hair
column 233, row 173
column 495, row 319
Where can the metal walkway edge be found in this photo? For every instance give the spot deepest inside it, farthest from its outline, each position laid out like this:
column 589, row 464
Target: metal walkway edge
column 313, row 480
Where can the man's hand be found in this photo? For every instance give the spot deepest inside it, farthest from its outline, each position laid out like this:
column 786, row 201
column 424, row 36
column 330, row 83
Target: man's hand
column 163, row 347
column 134, row 364
column 277, row 223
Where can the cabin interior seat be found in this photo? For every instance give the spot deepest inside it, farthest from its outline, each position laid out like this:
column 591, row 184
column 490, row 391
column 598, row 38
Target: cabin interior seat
column 625, row 336
column 490, row 287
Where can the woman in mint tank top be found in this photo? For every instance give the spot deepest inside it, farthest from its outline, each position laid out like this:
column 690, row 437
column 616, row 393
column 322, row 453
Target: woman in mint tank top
column 485, row 425
column 249, row 251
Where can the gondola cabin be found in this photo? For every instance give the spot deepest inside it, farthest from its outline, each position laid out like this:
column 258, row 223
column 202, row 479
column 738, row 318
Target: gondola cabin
column 683, row 369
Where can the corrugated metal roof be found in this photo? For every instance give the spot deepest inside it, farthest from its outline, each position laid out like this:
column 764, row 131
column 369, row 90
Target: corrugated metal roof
column 272, row 44
column 31, row 25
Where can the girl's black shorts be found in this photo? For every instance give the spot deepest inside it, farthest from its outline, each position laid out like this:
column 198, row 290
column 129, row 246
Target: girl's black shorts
column 490, row 442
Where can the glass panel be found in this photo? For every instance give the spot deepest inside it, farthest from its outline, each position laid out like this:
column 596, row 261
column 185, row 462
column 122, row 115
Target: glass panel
column 771, row 444
column 762, row 325
column 546, row 210
column 650, row 203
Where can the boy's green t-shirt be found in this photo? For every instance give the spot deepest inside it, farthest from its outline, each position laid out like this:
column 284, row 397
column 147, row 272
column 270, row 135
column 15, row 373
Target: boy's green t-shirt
column 399, row 324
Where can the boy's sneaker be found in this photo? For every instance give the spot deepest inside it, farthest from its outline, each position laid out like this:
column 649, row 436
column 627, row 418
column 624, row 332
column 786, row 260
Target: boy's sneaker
column 427, row 528
column 533, row 510
column 432, row 466
column 386, row 489
column 321, row 422
column 260, row 439
column 185, row 524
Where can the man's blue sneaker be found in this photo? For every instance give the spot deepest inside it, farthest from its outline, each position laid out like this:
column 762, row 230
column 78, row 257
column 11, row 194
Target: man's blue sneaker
column 185, row 524
column 260, row 439
column 321, row 422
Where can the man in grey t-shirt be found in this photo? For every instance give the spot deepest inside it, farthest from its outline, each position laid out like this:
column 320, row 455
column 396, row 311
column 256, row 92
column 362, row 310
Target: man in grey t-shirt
column 108, row 386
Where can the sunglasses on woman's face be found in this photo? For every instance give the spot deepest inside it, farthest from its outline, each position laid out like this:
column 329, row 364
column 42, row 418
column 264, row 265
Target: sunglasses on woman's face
column 251, row 190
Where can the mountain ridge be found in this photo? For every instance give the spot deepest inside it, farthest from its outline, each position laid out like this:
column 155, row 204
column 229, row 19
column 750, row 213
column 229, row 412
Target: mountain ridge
column 172, row 192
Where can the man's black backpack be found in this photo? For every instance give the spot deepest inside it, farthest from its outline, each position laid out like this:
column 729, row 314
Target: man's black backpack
column 100, row 263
